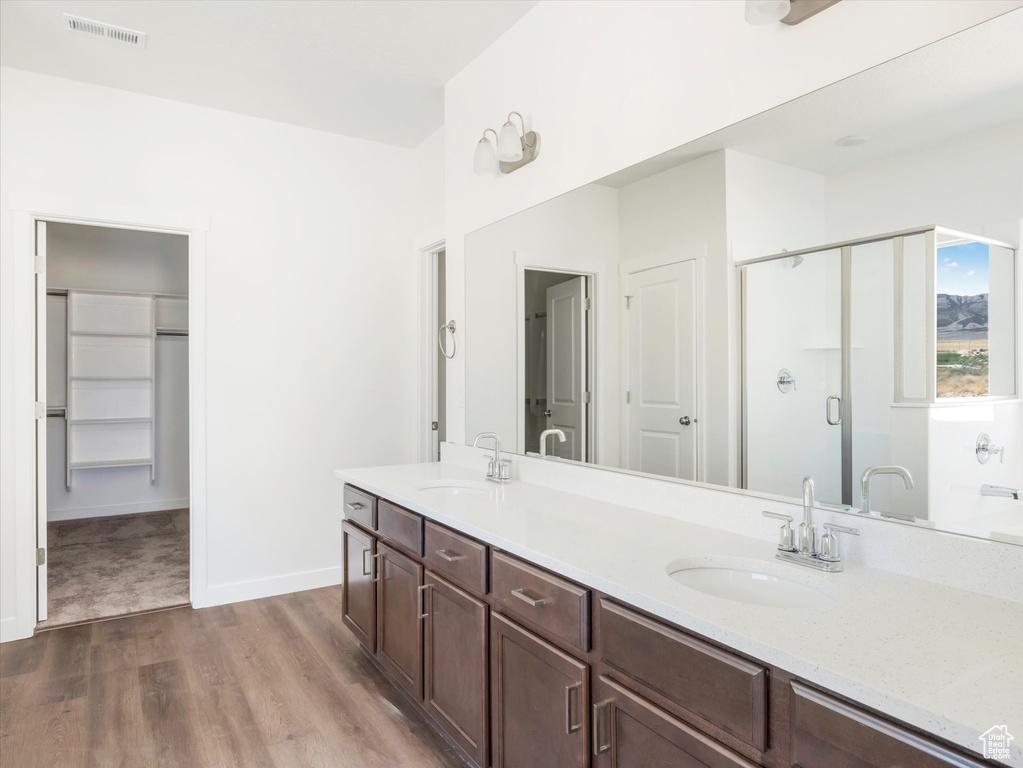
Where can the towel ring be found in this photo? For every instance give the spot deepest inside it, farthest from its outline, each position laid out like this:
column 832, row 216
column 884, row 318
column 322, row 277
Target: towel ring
column 450, row 327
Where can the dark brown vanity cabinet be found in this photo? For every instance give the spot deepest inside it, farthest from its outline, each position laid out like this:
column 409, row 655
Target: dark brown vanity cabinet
column 456, row 645
column 540, row 697
column 358, row 592
column 500, row 653
column 400, row 603
column 630, row 732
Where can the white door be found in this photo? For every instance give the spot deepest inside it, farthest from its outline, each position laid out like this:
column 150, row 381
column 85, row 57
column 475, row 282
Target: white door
column 41, row 418
column 566, row 367
column 661, row 410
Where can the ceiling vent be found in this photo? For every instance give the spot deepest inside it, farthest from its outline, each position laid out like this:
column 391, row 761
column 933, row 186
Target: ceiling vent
column 108, row 31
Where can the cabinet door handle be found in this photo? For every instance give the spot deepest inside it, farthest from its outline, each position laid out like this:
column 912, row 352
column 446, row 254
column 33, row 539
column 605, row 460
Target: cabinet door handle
column 571, row 728
column 355, row 506
column 422, row 590
column 445, row 555
column 533, row 601
column 599, row 748
column 366, row 570
column 376, row 566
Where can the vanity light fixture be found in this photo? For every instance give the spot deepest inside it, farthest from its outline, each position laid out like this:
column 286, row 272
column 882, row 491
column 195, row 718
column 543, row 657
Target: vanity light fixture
column 760, row 12
column 515, row 148
column 788, row 12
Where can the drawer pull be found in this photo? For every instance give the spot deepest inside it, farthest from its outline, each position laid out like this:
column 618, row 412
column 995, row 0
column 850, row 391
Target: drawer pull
column 451, row 558
column 571, row 728
column 422, row 612
column 533, row 601
column 366, row 570
column 376, row 566
column 355, row 506
column 599, row 748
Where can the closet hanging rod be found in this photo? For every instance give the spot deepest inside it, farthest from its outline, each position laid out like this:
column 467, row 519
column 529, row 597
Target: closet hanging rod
column 169, row 332
column 56, row 410
column 58, row 291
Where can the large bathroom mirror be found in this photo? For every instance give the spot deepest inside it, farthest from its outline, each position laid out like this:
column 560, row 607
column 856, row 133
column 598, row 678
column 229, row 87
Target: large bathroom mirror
column 830, row 288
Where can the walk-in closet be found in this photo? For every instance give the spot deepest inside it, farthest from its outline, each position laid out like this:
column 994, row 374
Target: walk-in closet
column 117, row 495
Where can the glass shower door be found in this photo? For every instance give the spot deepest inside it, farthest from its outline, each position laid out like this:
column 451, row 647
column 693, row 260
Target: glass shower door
column 792, row 375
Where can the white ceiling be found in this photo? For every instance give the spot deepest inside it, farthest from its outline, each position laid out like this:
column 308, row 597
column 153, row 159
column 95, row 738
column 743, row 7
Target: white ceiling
column 374, row 70
column 964, row 84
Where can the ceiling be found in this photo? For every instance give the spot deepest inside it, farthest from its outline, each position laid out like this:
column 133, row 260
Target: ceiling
column 964, row 84
column 374, row 70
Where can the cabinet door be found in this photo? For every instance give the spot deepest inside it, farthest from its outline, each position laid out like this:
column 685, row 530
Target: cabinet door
column 358, row 592
column 539, row 698
column 399, row 623
column 630, row 732
column 455, row 668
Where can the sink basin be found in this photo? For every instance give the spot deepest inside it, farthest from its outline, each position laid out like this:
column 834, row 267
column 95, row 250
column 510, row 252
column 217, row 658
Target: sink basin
column 454, row 487
column 753, row 582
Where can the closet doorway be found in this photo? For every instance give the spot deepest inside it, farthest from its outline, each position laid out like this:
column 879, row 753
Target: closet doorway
column 113, row 501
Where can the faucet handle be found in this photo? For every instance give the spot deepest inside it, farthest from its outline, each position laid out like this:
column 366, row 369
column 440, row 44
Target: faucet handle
column 829, row 541
column 787, row 537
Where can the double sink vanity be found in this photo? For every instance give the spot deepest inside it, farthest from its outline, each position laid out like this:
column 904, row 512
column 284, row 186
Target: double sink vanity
column 537, row 627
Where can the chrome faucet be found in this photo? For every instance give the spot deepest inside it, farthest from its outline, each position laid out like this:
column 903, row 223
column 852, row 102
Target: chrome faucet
column 543, row 440
column 498, row 469
column 806, row 552
column 882, row 469
column 999, row 490
column 807, row 530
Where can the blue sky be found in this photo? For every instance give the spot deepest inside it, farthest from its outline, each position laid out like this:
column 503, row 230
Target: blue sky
column 963, row 269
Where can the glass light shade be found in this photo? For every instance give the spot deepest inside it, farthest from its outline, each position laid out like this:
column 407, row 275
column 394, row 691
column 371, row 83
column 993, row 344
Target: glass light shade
column 484, row 162
column 766, row 11
column 509, row 144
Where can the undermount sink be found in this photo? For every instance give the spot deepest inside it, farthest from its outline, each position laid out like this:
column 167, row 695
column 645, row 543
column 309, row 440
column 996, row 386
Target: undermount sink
column 454, row 487
column 753, row 582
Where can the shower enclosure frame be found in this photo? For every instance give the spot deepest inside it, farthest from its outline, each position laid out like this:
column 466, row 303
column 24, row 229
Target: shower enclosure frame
column 845, row 247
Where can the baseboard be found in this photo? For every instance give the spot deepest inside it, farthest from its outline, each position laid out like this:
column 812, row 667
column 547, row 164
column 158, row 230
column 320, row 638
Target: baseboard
column 240, row 591
column 9, row 630
column 110, row 510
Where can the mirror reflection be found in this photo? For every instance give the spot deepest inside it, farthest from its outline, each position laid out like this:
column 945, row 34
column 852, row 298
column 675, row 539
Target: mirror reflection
column 829, row 289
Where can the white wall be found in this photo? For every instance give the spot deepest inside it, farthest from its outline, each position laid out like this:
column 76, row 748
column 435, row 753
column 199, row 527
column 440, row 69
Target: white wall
column 577, row 231
column 312, row 297
column 100, row 258
column 609, row 84
column 106, row 259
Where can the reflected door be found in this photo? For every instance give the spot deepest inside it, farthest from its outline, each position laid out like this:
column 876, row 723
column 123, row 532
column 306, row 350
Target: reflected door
column 662, row 425
column 792, row 382
column 566, row 367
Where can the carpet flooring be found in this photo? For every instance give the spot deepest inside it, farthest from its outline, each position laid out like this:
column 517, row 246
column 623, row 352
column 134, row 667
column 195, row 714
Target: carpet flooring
column 102, row 567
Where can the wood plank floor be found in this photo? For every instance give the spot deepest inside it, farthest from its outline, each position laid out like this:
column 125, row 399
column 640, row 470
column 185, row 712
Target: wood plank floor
column 273, row 683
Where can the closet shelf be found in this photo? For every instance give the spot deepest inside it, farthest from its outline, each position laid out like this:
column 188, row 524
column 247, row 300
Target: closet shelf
column 114, row 334
column 115, row 420
column 111, row 378
column 112, row 463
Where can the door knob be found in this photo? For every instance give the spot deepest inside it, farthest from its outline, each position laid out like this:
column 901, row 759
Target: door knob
column 685, row 421
column 548, row 413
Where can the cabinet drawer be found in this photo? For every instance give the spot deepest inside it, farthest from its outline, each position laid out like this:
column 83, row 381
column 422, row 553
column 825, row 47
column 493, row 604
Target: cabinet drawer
column 827, row 732
column 629, row 732
column 401, row 527
column 727, row 691
column 541, row 599
column 457, row 557
column 360, row 507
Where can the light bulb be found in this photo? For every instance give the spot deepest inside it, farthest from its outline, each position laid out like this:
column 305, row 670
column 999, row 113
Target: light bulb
column 484, row 162
column 766, row 11
column 509, row 144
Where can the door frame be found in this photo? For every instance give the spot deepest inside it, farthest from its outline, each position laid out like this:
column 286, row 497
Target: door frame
column 593, row 271
column 698, row 255
column 426, row 259
column 18, row 352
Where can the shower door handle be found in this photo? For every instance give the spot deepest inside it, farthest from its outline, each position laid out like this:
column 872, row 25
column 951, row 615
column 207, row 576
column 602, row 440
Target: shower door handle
column 827, row 410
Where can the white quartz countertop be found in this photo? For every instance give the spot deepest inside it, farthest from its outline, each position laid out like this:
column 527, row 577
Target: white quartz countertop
column 947, row 661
